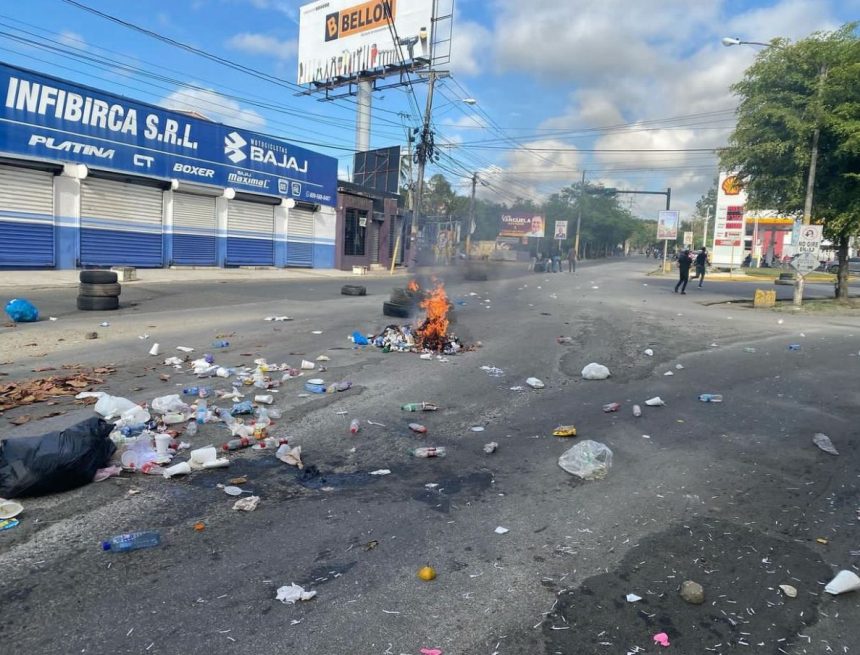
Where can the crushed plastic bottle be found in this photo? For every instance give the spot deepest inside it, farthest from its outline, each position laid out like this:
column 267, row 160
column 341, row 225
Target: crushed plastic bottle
column 191, row 429
column 794, row 346
column 417, row 427
column 202, row 410
column 122, row 543
column 354, row 426
column 419, row 407
column 429, row 451
column 220, row 343
column 711, row 397
column 236, row 444
column 611, row 407
column 637, row 411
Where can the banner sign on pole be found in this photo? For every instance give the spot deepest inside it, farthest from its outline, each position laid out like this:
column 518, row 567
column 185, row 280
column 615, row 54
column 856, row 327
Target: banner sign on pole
column 667, row 224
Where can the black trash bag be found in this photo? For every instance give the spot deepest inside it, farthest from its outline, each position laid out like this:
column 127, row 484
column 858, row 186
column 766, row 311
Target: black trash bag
column 54, row 462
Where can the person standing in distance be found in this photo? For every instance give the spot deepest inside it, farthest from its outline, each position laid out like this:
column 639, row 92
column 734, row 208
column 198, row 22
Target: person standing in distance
column 571, row 260
column 684, row 263
column 701, row 265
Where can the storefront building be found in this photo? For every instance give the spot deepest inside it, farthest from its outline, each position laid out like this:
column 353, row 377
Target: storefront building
column 370, row 228
column 88, row 178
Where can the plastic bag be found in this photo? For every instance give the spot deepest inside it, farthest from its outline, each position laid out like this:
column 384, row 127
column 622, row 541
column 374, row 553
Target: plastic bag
column 589, row 460
column 54, row 462
column 169, row 404
column 595, row 372
column 110, row 406
column 22, row 310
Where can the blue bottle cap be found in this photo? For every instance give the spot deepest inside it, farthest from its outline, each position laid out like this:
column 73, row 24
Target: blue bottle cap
column 105, row 545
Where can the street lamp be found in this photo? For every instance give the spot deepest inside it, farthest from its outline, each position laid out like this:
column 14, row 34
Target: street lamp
column 729, row 41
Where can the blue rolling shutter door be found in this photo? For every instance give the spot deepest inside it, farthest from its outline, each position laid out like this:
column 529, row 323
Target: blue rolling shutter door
column 250, row 234
column 120, row 224
column 194, row 230
column 300, row 237
column 26, row 218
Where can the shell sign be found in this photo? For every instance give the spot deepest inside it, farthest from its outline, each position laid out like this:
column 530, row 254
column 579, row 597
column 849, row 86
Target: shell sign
column 732, row 185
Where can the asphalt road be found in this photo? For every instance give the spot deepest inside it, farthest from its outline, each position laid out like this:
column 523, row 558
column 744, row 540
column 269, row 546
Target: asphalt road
column 733, row 495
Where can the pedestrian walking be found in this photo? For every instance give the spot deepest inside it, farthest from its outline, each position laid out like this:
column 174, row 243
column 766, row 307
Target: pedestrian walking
column 571, row 261
column 701, row 265
column 684, row 264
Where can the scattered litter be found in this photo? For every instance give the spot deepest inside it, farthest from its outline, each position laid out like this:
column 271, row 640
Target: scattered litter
column 824, row 443
column 711, row 397
column 8, row 524
column 9, row 509
column 822, row 541
column 316, row 331
column 788, row 590
column 477, row 428
column 430, row 651
column 183, row 468
column 656, row 401
column 323, row 358
column 91, row 335
column 429, row 452
column 354, row 426
column 417, row 427
column 307, row 366
column 431, row 485
column 277, row 318
column 518, row 388
column 535, row 383
column 419, row 407
column 381, row 425
column 54, row 318
column 662, row 639
column 648, row 352
column 679, row 367
column 56, row 461
column 646, row 436
column 493, row 371
column 426, row 356
column 491, row 447
column 564, row 340
column 292, row 593
column 713, row 345
column 668, row 373
column 100, row 476
column 501, row 530
column 240, row 480
column 248, row 504
column 185, row 349
column 794, row 346
column 595, row 371
column 291, row 456
column 611, row 407
column 155, row 350
column 427, row 573
column 173, row 361
column 633, row 598
column 637, row 411
column 380, row 472
column 844, row 582
column 749, row 350
column 589, row 460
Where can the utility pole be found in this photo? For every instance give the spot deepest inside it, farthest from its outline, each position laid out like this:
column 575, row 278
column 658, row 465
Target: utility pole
column 364, row 99
column 424, row 151
column 579, row 218
column 471, row 217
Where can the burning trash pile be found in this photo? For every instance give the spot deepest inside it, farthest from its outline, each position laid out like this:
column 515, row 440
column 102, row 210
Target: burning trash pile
column 429, row 334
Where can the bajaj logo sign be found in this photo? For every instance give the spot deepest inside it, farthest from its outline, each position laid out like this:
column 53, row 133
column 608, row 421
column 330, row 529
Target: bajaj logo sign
column 233, row 144
column 360, row 18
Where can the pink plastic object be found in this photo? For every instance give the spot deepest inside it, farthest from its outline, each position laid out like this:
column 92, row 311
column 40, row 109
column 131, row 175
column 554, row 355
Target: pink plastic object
column 662, row 639
column 430, row 651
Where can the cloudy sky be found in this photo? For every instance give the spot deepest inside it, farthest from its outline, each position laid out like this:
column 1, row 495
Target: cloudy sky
column 634, row 92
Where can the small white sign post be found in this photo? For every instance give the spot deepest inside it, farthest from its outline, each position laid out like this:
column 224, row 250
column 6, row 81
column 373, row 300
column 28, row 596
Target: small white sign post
column 806, row 258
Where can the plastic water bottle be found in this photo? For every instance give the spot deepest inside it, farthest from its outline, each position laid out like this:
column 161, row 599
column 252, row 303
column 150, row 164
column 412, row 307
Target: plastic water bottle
column 220, row 343
column 190, row 391
column 637, row 411
column 191, row 429
column 236, row 444
column 711, row 398
column 201, row 411
column 133, row 430
column 354, row 426
column 418, row 407
column 611, row 407
column 430, row 451
column 132, row 541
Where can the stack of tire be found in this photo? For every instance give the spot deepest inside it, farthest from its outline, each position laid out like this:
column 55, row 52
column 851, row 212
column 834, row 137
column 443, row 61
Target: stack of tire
column 98, row 291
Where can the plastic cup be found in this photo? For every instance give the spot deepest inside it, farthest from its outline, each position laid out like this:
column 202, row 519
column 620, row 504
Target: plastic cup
column 183, row 468
column 162, row 443
column 154, row 350
column 844, row 581
column 202, row 456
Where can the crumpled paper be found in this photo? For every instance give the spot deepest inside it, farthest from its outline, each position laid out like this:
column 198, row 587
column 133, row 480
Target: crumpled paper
column 291, row 456
column 247, row 504
column 288, row 595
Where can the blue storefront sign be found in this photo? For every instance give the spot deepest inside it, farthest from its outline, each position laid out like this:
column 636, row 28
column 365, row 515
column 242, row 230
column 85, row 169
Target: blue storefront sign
column 47, row 118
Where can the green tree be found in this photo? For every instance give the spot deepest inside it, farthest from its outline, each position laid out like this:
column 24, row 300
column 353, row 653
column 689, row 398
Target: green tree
column 800, row 107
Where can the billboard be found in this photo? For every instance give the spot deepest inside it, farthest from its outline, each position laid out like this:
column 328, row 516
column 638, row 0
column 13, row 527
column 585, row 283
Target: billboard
column 522, row 225
column 342, row 39
column 378, row 169
column 667, row 224
column 51, row 119
column 729, row 222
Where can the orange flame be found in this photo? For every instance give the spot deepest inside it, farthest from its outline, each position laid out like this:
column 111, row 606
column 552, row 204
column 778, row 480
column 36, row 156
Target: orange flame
column 435, row 327
column 412, row 286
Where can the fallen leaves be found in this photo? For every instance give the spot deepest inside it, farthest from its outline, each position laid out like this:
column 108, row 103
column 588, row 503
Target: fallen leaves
column 28, row 392
column 20, row 420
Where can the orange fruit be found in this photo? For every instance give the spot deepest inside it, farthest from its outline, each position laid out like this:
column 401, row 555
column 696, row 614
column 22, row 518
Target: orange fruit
column 427, row 573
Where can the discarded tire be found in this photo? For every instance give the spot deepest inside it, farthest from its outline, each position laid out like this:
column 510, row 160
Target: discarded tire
column 353, row 290
column 98, row 277
column 396, row 309
column 97, row 303
column 99, row 290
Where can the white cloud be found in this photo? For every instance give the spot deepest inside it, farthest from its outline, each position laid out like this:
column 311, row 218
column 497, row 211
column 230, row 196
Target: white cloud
column 281, row 6
column 213, row 106
column 468, row 121
column 72, row 39
column 470, row 47
column 263, row 44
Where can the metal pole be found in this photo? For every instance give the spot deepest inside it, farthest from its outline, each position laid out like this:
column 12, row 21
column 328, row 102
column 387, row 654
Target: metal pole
column 422, row 161
column 471, row 218
column 666, row 267
column 579, row 215
column 813, row 157
column 362, row 115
